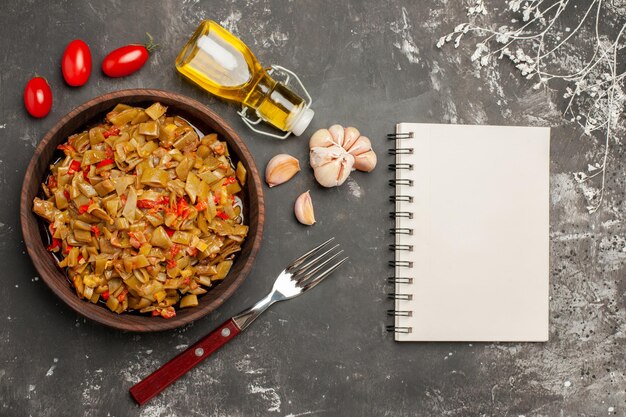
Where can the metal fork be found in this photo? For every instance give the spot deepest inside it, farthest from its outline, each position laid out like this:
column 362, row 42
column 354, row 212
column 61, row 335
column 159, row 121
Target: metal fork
column 301, row 275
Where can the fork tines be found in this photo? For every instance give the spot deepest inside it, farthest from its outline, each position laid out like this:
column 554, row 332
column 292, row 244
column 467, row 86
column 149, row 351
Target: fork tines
column 308, row 270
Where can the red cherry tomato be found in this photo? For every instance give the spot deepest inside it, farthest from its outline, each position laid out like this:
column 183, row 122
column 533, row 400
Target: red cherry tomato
column 38, row 97
column 76, row 63
column 127, row 59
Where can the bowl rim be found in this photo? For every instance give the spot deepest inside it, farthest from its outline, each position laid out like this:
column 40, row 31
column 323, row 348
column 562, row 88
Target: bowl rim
column 112, row 320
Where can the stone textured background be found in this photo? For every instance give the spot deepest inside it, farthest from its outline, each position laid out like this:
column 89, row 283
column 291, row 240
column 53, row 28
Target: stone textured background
column 369, row 64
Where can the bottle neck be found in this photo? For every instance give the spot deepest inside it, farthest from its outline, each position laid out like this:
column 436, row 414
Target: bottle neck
column 274, row 102
column 262, row 85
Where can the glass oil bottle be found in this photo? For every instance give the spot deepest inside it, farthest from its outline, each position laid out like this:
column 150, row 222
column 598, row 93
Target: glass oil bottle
column 223, row 65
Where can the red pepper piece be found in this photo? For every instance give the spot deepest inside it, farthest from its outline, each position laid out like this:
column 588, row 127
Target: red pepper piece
column 201, row 205
column 114, row 131
column 68, row 249
column 105, row 295
column 146, row 204
column 170, row 232
column 95, row 230
column 156, row 312
column 86, row 174
column 55, row 245
column 103, row 163
column 222, row 215
column 171, row 264
column 122, row 296
column 229, row 180
column 66, row 194
column 83, row 209
column 74, row 167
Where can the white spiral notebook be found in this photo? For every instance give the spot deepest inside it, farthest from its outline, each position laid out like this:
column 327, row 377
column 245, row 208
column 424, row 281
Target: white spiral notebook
column 471, row 233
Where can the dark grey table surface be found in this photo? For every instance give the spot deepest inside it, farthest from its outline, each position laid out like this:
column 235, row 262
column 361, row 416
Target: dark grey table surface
column 368, row 64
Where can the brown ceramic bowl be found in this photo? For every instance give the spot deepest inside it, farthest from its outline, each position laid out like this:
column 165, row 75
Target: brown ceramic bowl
column 91, row 113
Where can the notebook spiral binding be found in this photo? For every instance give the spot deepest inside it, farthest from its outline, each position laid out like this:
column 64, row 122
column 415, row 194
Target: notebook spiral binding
column 398, row 281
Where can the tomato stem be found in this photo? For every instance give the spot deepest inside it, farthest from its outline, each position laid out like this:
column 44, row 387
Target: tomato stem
column 151, row 46
column 41, row 76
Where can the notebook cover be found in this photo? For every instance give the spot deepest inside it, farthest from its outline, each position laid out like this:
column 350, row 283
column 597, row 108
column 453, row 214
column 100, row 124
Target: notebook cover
column 480, row 243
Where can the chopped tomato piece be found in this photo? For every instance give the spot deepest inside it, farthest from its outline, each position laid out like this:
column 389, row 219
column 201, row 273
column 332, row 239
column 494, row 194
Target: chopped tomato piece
column 168, row 313
column 51, row 228
column 216, row 199
column 52, row 181
column 74, row 167
column 229, row 180
column 68, row 249
column 83, row 209
column 108, row 161
column 95, row 230
column 170, row 232
column 182, row 206
column 66, row 194
column 122, row 296
column 171, row 264
column 222, row 215
column 110, row 153
column 192, row 251
column 174, row 250
column 114, row 131
column 105, row 295
column 156, row 312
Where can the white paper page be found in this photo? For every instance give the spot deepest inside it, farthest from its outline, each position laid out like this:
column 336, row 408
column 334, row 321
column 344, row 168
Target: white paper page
column 480, row 258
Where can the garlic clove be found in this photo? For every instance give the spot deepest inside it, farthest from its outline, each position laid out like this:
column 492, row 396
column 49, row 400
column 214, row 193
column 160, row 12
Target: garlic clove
column 303, row 209
column 321, row 138
column 319, row 156
column 335, row 172
column 361, row 145
column 281, row 169
column 336, row 131
column 366, row 161
column 350, row 135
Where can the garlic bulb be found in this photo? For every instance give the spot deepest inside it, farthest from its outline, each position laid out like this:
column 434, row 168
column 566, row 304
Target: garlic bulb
column 281, row 169
column 337, row 151
column 303, row 209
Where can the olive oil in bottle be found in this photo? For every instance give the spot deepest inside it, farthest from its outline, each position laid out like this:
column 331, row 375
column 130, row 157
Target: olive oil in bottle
column 223, row 65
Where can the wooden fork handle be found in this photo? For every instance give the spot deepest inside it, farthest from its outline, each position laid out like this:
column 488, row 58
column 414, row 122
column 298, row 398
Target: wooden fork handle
column 181, row 364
